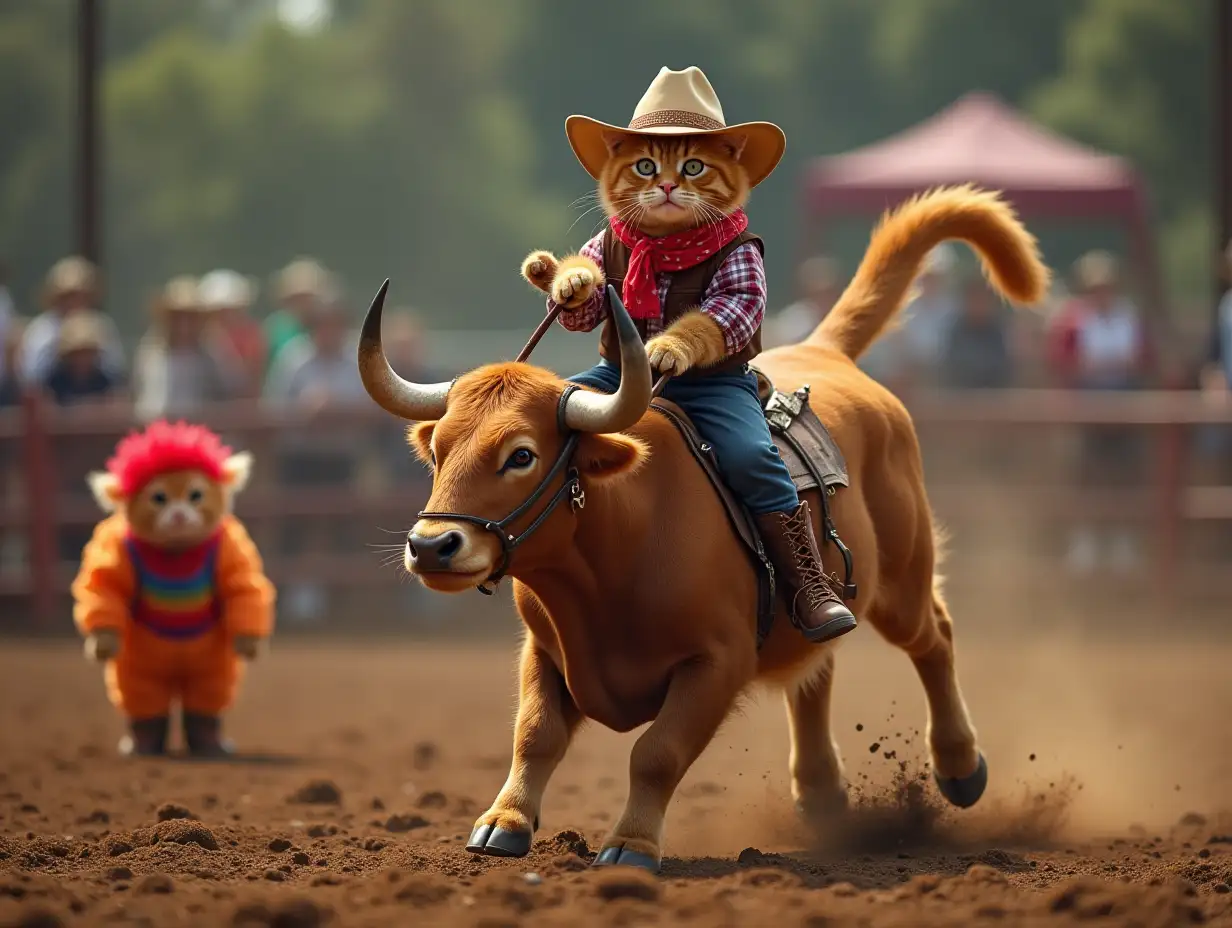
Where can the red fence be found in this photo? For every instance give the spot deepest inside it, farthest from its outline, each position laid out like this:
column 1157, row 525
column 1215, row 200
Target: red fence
column 986, row 454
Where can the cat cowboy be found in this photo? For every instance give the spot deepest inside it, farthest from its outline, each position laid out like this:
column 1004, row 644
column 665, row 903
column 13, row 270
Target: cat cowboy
column 674, row 184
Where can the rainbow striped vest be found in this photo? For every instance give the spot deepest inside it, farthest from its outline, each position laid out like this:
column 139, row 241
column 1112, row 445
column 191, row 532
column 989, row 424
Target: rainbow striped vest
column 175, row 595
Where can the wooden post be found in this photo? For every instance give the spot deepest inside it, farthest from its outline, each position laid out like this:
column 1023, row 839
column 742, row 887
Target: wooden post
column 1223, row 150
column 89, row 242
column 40, row 491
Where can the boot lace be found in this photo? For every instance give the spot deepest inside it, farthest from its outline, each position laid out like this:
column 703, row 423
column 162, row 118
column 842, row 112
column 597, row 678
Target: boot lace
column 815, row 584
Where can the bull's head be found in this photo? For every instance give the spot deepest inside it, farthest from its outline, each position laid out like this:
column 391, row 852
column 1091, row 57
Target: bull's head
column 506, row 440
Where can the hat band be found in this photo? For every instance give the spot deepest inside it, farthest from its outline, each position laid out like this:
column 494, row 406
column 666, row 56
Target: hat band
column 682, row 118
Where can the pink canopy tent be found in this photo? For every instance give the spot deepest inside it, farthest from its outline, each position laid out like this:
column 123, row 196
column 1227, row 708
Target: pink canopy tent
column 981, row 140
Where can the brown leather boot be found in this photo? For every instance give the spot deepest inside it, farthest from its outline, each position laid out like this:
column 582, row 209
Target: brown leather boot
column 814, row 607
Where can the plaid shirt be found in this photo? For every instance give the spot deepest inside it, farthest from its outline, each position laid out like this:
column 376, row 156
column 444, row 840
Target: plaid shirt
column 735, row 299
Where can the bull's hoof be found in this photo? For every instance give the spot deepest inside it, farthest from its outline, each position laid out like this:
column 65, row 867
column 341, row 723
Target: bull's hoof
column 498, row 842
column 622, row 857
column 964, row 792
column 822, row 809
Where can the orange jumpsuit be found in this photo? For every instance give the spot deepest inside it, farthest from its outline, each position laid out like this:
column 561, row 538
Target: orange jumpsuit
column 197, row 665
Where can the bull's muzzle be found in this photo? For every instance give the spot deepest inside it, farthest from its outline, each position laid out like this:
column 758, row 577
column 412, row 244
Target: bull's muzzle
column 433, row 552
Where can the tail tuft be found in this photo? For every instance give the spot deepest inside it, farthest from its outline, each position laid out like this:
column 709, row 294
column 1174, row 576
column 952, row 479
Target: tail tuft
column 903, row 238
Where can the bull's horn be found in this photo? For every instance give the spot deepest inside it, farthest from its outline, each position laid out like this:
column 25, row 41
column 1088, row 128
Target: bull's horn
column 417, row 402
column 596, row 412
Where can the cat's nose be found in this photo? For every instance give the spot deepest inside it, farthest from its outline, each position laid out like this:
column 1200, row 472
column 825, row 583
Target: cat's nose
column 668, row 188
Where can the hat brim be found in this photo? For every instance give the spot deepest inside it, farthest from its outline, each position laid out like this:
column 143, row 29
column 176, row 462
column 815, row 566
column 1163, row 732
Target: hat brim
column 763, row 148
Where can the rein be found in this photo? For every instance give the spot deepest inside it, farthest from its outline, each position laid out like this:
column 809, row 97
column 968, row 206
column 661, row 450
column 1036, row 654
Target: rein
column 571, row 487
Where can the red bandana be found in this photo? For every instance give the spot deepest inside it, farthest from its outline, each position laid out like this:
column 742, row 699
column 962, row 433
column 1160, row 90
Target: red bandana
column 650, row 256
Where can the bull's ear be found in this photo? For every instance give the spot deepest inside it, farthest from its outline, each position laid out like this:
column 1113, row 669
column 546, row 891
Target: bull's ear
column 419, row 437
column 106, row 490
column 236, row 470
column 610, row 457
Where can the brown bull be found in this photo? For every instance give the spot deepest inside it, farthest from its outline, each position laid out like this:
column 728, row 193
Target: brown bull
column 638, row 599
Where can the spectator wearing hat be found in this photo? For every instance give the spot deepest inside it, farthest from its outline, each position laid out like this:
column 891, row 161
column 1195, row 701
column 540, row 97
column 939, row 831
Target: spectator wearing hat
column 71, row 286
column 978, row 352
column 183, row 363
column 301, row 287
column 79, row 374
column 820, row 287
column 1098, row 342
column 230, row 296
column 316, row 372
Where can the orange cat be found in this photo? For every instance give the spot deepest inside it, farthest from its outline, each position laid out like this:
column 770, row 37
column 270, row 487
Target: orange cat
column 689, row 272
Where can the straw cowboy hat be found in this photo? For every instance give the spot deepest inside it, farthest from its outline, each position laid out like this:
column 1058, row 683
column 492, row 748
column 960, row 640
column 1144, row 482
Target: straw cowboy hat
column 1097, row 269
column 679, row 103
column 73, row 274
column 82, row 330
column 181, row 295
column 224, row 289
column 304, row 277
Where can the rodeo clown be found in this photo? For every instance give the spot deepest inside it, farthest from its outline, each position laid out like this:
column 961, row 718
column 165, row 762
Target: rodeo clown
column 171, row 594
column 674, row 184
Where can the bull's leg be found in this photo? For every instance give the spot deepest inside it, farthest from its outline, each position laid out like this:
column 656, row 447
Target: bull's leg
column 547, row 719
column 700, row 695
column 958, row 765
column 816, row 769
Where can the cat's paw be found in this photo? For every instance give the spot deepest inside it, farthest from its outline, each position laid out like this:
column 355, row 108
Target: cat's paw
column 576, row 282
column 539, row 270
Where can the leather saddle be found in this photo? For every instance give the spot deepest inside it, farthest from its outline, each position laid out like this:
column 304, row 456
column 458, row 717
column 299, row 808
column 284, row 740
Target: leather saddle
column 814, row 461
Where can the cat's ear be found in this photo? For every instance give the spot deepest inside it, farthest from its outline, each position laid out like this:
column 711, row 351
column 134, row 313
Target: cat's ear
column 733, row 144
column 614, row 141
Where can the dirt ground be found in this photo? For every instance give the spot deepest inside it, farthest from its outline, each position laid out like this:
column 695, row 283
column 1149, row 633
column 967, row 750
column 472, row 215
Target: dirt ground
column 1109, row 767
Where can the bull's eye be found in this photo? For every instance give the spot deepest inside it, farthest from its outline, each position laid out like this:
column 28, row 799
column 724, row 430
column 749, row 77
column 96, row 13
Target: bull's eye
column 521, row 459
column 158, row 498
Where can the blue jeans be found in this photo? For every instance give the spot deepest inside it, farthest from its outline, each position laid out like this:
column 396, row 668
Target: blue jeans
column 728, row 414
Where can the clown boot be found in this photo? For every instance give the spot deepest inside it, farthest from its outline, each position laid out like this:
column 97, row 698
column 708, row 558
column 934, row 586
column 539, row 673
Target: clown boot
column 145, row 738
column 203, row 734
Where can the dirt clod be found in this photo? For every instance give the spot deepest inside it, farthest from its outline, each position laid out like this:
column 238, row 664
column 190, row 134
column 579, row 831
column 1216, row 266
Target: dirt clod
column 169, row 811
column 154, row 884
column 627, row 883
column 399, row 824
column 318, row 792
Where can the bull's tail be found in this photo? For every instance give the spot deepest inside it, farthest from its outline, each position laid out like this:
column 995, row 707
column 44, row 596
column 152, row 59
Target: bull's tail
column 905, row 236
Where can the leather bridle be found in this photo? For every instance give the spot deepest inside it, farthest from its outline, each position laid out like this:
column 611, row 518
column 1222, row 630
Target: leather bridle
column 571, row 487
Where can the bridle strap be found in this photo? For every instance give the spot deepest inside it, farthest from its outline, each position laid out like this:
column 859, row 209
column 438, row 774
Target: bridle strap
column 571, row 486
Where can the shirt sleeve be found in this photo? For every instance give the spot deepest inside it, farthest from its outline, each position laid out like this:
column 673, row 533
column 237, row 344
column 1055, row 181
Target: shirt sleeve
column 281, row 384
column 246, row 593
column 736, row 297
column 104, row 587
column 587, row 316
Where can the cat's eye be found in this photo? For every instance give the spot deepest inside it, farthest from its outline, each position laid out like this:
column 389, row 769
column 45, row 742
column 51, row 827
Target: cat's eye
column 646, row 167
column 158, row 498
column 195, row 497
column 692, row 167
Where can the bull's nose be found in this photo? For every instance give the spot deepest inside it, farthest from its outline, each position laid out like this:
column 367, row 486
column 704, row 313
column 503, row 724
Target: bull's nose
column 434, row 552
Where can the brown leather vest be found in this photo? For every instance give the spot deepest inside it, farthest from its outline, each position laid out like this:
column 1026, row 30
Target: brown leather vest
column 684, row 293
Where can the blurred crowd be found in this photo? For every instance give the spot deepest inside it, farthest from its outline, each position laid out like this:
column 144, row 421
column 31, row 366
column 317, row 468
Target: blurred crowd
column 956, row 334
column 204, row 344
